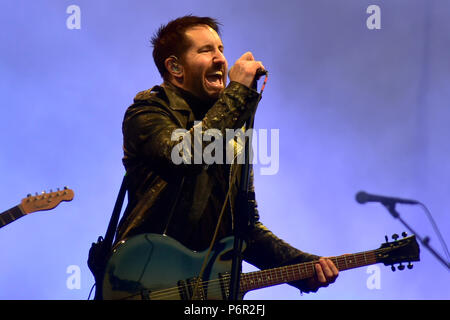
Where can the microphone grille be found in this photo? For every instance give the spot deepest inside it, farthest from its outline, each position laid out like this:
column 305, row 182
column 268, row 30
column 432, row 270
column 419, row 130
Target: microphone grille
column 361, row 197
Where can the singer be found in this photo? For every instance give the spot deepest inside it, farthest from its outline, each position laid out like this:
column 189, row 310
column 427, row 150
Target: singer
column 184, row 201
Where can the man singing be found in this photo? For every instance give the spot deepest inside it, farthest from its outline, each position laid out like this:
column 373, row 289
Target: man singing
column 185, row 200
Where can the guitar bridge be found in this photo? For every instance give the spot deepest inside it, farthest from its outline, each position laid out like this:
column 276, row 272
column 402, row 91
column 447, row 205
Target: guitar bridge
column 224, row 279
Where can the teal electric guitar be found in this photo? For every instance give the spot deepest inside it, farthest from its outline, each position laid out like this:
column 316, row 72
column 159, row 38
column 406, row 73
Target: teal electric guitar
column 157, row 267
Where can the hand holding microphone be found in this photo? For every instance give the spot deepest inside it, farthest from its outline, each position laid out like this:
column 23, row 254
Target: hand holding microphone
column 246, row 70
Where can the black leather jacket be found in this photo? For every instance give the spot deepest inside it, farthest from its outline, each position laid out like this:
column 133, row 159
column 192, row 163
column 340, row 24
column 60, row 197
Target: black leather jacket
column 155, row 181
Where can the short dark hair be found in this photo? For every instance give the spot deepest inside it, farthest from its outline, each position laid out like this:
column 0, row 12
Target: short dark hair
column 170, row 38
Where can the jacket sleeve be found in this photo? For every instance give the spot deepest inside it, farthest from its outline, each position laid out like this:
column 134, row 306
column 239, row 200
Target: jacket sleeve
column 265, row 250
column 152, row 132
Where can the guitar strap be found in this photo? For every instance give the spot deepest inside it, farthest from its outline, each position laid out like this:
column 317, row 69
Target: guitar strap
column 99, row 252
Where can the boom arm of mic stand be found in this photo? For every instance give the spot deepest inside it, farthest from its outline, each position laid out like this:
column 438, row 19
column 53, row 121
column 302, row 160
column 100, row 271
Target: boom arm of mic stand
column 425, row 241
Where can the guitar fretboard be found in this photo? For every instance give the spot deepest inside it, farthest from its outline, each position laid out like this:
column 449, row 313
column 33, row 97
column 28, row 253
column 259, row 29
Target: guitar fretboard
column 271, row 277
column 10, row 215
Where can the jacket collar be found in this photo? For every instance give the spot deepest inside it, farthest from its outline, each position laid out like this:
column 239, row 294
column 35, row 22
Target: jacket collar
column 176, row 102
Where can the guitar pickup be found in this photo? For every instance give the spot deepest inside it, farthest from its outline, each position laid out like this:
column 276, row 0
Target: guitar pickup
column 191, row 284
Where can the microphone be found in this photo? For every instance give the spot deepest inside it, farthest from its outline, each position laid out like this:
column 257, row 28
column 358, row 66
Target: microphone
column 260, row 72
column 363, row 197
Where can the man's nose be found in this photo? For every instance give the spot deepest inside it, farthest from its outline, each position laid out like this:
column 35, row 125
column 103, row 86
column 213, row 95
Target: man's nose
column 219, row 58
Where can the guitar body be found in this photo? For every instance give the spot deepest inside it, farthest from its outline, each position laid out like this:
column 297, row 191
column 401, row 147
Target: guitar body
column 154, row 266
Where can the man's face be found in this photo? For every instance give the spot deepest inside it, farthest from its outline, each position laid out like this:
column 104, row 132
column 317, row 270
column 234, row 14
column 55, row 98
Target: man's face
column 204, row 65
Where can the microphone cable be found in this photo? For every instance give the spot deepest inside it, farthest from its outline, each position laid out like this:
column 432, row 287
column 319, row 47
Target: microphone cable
column 436, row 230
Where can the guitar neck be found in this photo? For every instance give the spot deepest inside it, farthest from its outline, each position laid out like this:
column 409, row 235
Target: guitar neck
column 10, row 215
column 270, row 277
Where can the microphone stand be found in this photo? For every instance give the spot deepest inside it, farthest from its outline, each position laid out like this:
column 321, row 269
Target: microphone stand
column 390, row 206
column 242, row 218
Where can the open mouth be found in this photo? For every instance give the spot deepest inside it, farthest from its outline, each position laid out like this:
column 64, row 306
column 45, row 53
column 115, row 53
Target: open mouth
column 214, row 80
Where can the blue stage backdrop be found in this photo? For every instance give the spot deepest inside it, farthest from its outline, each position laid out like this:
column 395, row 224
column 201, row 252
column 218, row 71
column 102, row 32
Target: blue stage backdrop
column 358, row 93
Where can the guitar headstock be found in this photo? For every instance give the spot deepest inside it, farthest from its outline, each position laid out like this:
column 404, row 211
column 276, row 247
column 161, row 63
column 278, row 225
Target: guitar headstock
column 398, row 251
column 46, row 201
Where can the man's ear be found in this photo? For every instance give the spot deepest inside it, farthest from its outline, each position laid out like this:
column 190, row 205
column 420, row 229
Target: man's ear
column 174, row 67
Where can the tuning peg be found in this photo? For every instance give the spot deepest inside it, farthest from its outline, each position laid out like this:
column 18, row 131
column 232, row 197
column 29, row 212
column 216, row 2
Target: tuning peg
column 404, row 234
column 65, row 188
column 410, row 266
column 28, row 195
column 51, row 190
column 392, row 268
column 401, row 267
column 386, row 238
column 395, row 236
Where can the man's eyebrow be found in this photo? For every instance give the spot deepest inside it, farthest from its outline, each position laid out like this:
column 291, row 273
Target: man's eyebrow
column 210, row 46
column 206, row 46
